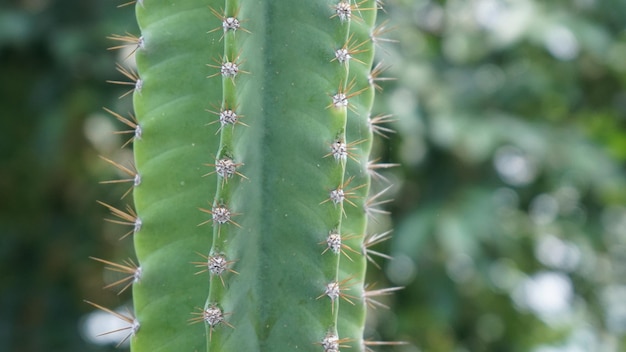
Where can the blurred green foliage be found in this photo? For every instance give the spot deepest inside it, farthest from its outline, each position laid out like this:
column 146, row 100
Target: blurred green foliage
column 53, row 67
column 510, row 204
column 510, row 218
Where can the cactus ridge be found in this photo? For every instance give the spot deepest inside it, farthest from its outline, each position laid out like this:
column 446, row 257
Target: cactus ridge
column 295, row 175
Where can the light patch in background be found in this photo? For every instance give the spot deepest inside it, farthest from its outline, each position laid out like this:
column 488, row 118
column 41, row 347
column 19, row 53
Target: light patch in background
column 583, row 338
column 123, row 157
column 127, row 56
column 615, row 56
column 443, row 130
column 614, row 301
column 97, row 323
column 544, row 209
column 556, row 253
column 514, row 166
column 568, row 198
column 489, row 78
column 99, row 131
column 429, row 16
column 585, row 3
column 401, row 270
column 548, row 295
column 613, row 220
column 505, row 200
column 413, row 151
column 457, row 47
column 506, row 20
column 561, row 43
column 545, row 348
column 460, row 268
column 404, row 104
column 504, row 275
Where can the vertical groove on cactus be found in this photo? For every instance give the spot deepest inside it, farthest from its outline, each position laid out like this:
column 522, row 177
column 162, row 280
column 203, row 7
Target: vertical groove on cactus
column 229, row 71
column 267, row 249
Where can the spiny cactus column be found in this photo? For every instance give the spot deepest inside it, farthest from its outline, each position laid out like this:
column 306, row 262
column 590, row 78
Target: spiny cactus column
column 252, row 145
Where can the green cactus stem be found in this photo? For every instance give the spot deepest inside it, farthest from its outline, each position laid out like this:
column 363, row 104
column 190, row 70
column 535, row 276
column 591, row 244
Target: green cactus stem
column 252, row 145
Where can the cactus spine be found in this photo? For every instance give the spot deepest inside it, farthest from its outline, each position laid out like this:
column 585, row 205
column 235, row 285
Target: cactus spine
column 252, row 143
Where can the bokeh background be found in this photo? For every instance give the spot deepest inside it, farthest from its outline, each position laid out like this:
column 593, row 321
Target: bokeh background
column 509, row 207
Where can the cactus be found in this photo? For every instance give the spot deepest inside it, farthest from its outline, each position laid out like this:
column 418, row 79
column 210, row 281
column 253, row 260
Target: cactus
column 252, row 135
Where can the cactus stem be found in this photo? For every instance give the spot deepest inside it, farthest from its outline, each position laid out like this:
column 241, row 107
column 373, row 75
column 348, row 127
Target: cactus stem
column 284, row 174
column 215, row 264
column 211, row 315
column 129, row 218
column 129, row 73
column 132, row 123
column 134, row 324
column 135, row 178
column 129, row 267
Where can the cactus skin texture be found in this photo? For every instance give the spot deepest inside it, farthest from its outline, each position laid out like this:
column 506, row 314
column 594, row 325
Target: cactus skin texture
column 254, row 149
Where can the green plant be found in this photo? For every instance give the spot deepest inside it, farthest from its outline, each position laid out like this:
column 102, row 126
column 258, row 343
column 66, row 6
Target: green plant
column 252, row 139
